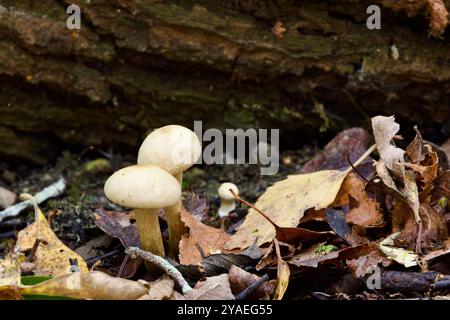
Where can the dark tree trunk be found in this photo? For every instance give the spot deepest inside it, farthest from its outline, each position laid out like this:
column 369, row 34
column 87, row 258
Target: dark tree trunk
column 139, row 64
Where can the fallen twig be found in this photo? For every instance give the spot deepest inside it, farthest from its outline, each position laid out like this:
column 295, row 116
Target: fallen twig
column 251, row 288
column 93, row 260
column 51, row 191
column 163, row 264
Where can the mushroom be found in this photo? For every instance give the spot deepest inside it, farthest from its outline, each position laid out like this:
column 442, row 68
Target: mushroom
column 147, row 189
column 175, row 149
column 227, row 203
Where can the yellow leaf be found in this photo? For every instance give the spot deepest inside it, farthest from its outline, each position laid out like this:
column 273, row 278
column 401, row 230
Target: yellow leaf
column 283, row 275
column 286, row 202
column 10, row 277
column 94, row 285
column 405, row 257
column 52, row 257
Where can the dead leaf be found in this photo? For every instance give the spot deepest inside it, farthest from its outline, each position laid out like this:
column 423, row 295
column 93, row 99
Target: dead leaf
column 349, row 144
column 94, row 285
column 196, row 206
column 409, row 193
column 283, row 274
column 405, row 257
column 442, row 187
column 241, row 280
column 285, row 203
column 216, row 264
column 117, row 224
column 312, row 215
column 270, row 258
column 430, row 236
column 338, row 223
column 364, row 265
column 91, row 248
column 364, row 210
column 437, row 253
column 384, row 130
column 161, row 289
column 10, row 277
column 52, row 258
column 416, row 150
column 213, row 288
column 7, row 198
column 312, row 258
column 211, row 240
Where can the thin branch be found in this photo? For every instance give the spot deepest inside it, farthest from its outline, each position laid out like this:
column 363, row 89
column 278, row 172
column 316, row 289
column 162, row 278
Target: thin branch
column 100, row 257
column 251, row 288
column 254, row 208
column 161, row 263
column 355, row 169
column 51, row 191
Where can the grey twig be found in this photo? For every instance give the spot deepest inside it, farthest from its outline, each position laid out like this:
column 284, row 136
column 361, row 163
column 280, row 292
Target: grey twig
column 163, row 264
column 251, row 288
column 51, row 191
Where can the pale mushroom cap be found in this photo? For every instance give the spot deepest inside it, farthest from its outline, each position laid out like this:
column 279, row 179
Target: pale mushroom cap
column 173, row 148
column 143, row 187
column 224, row 190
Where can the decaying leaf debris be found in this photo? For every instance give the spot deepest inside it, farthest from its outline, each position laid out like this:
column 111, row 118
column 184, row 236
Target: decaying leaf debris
column 392, row 216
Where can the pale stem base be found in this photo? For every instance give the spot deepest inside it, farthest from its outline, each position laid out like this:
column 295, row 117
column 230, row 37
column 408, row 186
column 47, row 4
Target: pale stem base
column 149, row 231
column 176, row 227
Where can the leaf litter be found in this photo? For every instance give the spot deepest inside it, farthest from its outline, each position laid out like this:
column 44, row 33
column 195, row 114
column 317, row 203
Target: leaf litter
column 345, row 210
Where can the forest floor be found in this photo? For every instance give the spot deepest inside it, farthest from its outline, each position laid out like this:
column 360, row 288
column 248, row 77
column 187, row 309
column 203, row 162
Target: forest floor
column 79, row 222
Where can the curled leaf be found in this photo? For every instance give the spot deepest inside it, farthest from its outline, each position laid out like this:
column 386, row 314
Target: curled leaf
column 94, row 285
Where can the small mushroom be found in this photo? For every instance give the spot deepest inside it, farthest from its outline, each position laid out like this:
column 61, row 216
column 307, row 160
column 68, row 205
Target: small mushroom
column 147, row 189
column 175, row 149
column 227, row 203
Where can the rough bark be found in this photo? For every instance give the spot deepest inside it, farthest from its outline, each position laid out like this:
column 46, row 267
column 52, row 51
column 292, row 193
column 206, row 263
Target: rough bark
column 140, row 64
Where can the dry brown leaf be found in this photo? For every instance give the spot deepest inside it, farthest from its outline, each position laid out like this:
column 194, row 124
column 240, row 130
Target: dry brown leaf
column 442, row 187
column 117, row 224
column 409, row 193
column 241, row 280
column 384, row 130
column 161, row 289
column 364, row 265
column 312, row 258
column 213, row 288
column 438, row 253
column 94, row 285
column 364, row 210
column 283, row 274
column 433, row 231
column 425, row 162
column 52, row 258
column 211, row 240
column 270, row 258
column 349, row 144
column 196, row 206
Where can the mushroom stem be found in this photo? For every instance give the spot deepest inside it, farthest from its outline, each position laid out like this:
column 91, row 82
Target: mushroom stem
column 149, row 232
column 226, row 206
column 176, row 226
